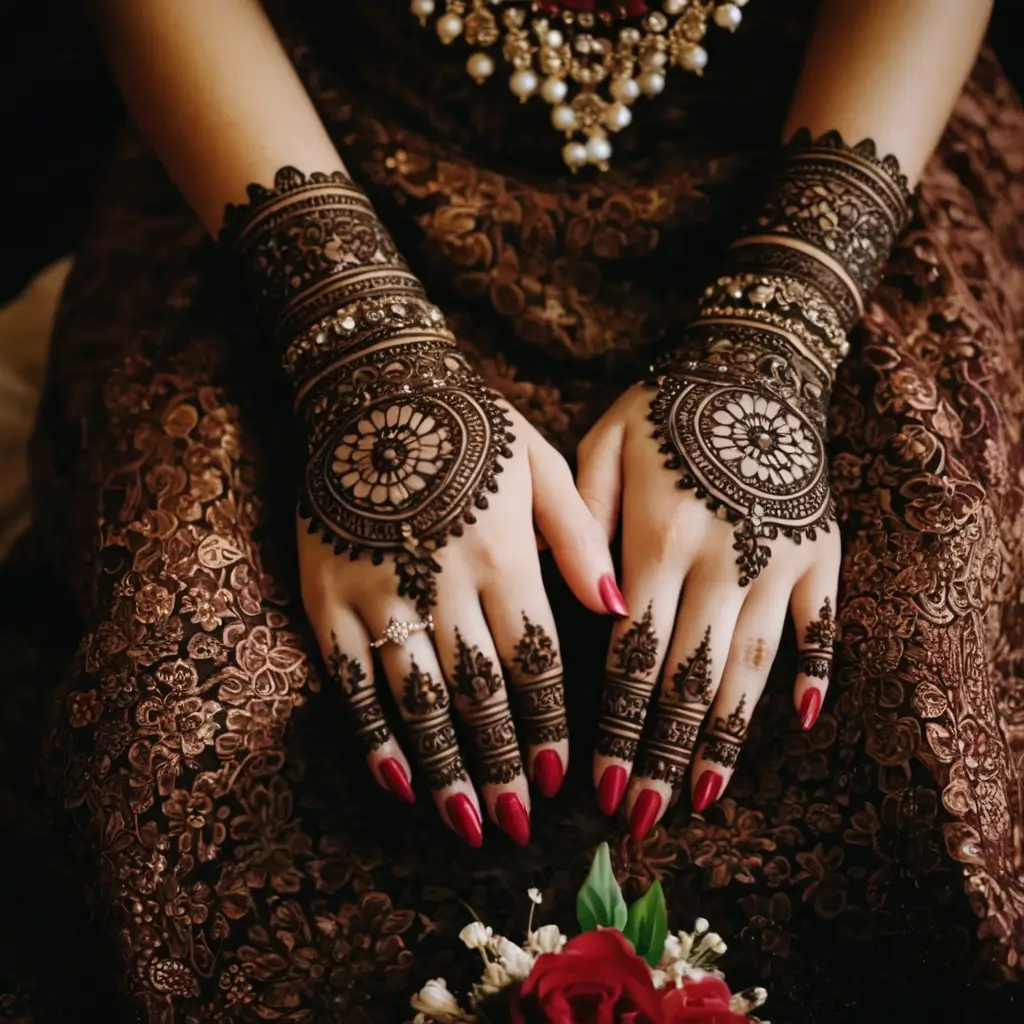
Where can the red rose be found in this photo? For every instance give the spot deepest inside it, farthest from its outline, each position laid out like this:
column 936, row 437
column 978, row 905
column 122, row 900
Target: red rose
column 596, row 979
column 701, row 1002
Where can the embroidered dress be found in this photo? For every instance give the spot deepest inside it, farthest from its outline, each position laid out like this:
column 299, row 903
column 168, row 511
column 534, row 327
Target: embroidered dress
column 243, row 867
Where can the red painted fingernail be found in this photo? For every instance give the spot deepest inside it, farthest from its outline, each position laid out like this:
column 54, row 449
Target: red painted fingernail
column 612, row 596
column 709, row 787
column 393, row 774
column 465, row 820
column 810, row 707
column 548, row 772
column 513, row 818
column 645, row 810
column 613, row 785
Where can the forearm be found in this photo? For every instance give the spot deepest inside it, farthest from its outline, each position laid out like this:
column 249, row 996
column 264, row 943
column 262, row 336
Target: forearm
column 888, row 70
column 215, row 94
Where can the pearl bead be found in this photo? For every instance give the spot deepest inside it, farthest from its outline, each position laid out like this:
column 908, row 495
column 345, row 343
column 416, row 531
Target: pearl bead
column 563, row 118
column 523, row 84
column 554, row 90
column 618, row 116
column 740, row 3
column 651, row 83
column 599, row 150
column 554, row 38
column 655, row 60
column 625, row 90
column 480, row 66
column 674, row 6
column 574, row 154
column 728, row 16
column 422, row 8
column 449, row 28
column 694, row 59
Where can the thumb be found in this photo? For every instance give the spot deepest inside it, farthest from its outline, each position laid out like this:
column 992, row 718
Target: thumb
column 578, row 541
column 599, row 473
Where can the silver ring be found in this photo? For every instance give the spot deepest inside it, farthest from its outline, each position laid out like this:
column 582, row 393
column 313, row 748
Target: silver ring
column 396, row 632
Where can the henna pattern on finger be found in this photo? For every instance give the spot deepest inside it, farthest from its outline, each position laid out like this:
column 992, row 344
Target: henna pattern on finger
column 815, row 658
column 540, row 691
column 682, row 707
column 359, row 694
column 726, row 735
column 627, row 689
column 482, row 701
column 425, row 702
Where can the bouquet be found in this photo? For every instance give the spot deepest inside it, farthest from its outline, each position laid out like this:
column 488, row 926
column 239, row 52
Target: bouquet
column 624, row 967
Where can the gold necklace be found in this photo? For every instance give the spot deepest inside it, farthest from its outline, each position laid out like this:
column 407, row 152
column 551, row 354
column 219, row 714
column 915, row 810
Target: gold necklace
column 586, row 64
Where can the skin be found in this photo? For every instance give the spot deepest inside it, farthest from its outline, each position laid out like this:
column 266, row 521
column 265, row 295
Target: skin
column 216, row 96
column 879, row 69
column 218, row 99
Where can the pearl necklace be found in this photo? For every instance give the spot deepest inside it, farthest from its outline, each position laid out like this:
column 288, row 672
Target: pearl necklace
column 554, row 52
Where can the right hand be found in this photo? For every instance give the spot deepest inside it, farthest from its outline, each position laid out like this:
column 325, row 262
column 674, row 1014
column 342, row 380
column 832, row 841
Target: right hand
column 415, row 458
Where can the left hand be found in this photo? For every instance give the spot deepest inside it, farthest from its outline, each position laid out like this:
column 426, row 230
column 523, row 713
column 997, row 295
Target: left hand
column 744, row 440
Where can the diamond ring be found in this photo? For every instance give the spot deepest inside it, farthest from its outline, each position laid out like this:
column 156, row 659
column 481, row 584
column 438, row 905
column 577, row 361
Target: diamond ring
column 396, row 632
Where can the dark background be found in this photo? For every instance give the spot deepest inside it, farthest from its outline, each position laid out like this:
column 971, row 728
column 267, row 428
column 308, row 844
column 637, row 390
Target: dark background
column 59, row 113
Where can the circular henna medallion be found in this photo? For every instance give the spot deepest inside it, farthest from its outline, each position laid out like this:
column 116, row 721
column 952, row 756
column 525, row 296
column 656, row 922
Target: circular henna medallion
column 405, row 467
column 754, row 453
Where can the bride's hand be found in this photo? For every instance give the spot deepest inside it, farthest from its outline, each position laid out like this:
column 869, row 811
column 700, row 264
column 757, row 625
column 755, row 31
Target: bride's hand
column 429, row 459
column 708, row 595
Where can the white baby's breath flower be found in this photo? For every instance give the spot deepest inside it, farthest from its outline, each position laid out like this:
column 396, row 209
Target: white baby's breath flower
column 547, row 939
column 680, row 972
column 476, row 935
column 659, row 978
column 700, row 926
column 749, row 999
column 535, row 896
column 516, row 961
column 434, row 998
column 494, row 979
column 711, row 943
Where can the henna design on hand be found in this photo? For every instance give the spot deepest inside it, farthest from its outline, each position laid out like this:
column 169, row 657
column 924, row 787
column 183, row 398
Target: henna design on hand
column 627, row 689
column 726, row 735
column 819, row 638
column 362, row 705
column 405, row 441
column 540, row 692
column 682, row 707
column 435, row 747
column 745, row 429
column 482, row 700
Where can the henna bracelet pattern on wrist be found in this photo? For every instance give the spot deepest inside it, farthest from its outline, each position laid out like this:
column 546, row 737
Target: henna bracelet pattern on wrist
column 741, row 401
column 405, row 440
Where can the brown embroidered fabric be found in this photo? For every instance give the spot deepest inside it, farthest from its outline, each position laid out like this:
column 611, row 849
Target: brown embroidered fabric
column 244, row 868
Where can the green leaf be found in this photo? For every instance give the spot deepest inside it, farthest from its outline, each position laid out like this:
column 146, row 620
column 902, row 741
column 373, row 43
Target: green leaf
column 600, row 903
column 647, row 925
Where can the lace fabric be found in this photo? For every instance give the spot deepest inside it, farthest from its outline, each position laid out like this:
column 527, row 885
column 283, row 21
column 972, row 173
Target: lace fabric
column 248, row 870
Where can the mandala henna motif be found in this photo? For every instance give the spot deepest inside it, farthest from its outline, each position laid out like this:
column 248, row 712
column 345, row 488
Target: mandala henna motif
column 539, row 690
column 627, row 689
column 425, row 705
column 726, row 735
column 749, row 439
column 682, row 705
column 819, row 638
column 405, row 442
column 482, row 700
column 360, row 697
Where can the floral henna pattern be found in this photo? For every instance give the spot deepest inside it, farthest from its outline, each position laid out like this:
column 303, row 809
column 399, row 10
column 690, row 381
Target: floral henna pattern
column 819, row 638
column 482, row 700
column 682, row 705
column 726, row 735
column 627, row 689
column 540, row 692
column 360, row 696
column 404, row 440
column 425, row 705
